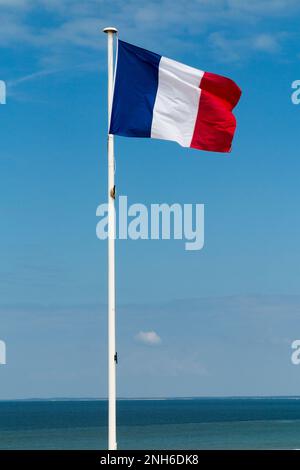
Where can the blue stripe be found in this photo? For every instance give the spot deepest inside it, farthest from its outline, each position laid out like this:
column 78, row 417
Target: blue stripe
column 135, row 91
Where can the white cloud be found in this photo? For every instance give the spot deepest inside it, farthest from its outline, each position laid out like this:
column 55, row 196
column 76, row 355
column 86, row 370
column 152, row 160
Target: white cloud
column 73, row 36
column 79, row 24
column 266, row 43
column 32, row 76
column 148, row 337
column 229, row 49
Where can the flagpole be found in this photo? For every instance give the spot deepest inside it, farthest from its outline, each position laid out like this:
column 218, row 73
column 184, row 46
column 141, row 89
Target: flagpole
column 112, row 355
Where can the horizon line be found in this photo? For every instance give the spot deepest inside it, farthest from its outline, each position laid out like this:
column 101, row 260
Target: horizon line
column 196, row 397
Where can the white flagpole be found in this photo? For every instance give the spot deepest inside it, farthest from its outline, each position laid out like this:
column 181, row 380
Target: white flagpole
column 112, row 354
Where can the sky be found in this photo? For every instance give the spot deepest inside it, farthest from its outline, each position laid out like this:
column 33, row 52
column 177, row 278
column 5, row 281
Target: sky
column 215, row 322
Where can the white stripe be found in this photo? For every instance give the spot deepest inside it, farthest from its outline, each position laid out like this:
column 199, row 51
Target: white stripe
column 177, row 100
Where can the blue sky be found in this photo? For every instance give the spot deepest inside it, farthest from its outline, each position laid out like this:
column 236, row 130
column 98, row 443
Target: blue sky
column 226, row 315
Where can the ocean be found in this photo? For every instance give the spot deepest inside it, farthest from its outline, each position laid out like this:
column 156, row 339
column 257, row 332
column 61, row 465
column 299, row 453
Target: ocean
column 192, row 423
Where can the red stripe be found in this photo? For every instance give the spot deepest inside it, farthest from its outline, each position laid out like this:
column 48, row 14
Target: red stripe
column 215, row 124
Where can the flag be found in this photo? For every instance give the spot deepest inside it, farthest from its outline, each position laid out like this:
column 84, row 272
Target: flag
column 164, row 99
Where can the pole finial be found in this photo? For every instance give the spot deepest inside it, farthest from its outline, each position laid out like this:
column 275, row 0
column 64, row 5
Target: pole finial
column 110, row 29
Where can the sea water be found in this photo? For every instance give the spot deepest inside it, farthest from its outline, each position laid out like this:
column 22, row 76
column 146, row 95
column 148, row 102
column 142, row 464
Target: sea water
column 191, row 423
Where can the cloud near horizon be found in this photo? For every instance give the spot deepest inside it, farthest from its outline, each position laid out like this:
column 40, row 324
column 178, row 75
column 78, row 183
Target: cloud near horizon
column 148, row 337
column 238, row 345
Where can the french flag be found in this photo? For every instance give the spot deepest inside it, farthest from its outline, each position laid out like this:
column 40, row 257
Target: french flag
column 160, row 98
